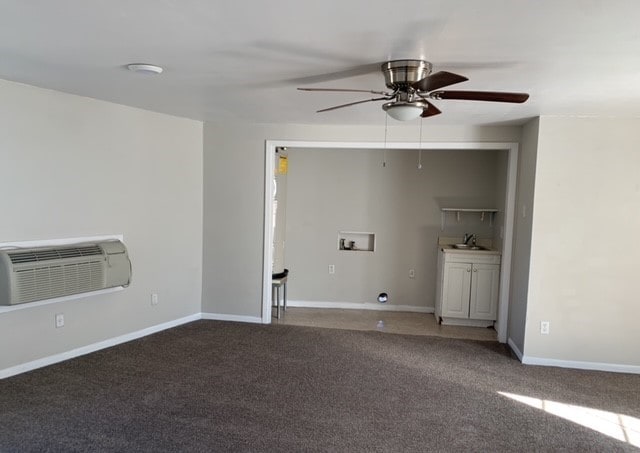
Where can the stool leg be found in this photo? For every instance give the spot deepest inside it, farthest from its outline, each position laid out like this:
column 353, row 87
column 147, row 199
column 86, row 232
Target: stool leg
column 284, row 299
column 273, row 298
column 278, row 301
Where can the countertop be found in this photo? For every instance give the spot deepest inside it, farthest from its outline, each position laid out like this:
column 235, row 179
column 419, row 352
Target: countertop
column 450, row 249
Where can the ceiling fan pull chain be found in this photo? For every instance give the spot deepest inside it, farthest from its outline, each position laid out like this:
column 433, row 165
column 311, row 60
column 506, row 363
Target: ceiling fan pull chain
column 384, row 151
column 420, row 147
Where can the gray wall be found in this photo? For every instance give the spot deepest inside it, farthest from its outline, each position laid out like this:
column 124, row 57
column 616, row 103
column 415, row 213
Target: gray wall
column 522, row 234
column 332, row 190
column 234, row 158
column 80, row 167
column 581, row 279
column 501, row 195
column 73, row 167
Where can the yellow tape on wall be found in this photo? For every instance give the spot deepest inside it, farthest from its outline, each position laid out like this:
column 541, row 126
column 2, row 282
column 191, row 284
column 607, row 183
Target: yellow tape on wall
column 283, row 165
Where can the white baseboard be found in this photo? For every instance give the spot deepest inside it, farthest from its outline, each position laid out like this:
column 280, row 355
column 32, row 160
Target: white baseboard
column 597, row 366
column 528, row 360
column 61, row 357
column 446, row 321
column 515, row 348
column 234, row 318
column 358, row 306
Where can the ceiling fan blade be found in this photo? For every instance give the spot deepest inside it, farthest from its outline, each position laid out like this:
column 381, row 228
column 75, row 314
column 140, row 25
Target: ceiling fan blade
column 347, row 90
column 430, row 110
column 354, row 103
column 438, row 80
column 490, row 96
column 353, row 71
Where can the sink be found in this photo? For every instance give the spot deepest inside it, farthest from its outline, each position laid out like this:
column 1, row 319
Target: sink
column 468, row 247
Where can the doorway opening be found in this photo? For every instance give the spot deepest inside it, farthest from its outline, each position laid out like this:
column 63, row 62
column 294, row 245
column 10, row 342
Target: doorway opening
column 509, row 149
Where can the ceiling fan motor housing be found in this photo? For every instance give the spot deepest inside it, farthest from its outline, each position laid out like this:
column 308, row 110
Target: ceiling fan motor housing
column 401, row 74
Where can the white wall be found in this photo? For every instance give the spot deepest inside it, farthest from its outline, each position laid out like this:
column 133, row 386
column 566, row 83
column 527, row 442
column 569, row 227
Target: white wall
column 234, row 159
column 72, row 167
column 585, row 248
column 332, row 190
column 522, row 235
column 280, row 215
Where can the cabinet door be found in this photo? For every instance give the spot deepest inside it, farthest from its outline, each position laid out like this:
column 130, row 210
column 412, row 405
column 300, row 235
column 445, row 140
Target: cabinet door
column 456, row 289
column 485, row 282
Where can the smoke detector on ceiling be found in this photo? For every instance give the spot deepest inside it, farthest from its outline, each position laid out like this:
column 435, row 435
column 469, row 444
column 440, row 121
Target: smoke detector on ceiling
column 145, row 68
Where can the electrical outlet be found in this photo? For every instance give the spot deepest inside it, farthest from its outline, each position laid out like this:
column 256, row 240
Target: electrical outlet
column 59, row 320
column 154, row 299
column 412, row 273
column 332, row 268
column 544, row 327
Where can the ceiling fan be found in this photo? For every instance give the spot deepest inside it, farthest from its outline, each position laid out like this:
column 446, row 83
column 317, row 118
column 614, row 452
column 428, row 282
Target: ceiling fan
column 413, row 85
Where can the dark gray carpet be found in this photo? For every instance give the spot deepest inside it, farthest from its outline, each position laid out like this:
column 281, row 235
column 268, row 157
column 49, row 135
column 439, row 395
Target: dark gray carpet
column 216, row 386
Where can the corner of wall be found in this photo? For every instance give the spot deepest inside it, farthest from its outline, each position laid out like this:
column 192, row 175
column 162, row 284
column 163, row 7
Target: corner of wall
column 518, row 299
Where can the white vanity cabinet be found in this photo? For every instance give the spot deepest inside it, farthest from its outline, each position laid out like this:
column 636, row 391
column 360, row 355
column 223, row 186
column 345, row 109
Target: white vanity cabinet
column 467, row 287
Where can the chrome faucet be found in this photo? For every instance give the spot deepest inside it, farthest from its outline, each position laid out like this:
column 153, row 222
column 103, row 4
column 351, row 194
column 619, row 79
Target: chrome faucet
column 469, row 237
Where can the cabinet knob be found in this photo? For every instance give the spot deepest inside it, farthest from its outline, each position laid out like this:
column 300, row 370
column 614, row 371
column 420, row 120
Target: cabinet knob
column 468, row 269
column 475, row 270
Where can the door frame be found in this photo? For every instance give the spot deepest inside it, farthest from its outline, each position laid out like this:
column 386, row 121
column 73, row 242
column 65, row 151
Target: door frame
column 509, row 208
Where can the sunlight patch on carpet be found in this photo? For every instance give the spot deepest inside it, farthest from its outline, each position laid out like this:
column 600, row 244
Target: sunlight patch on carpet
column 621, row 427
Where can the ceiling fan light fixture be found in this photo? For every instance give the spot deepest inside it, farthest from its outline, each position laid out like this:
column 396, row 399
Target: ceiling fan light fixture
column 404, row 111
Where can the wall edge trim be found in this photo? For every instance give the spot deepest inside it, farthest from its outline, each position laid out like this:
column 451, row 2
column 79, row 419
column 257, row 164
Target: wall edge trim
column 581, row 365
column 358, row 306
column 233, row 318
column 83, row 350
column 514, row 348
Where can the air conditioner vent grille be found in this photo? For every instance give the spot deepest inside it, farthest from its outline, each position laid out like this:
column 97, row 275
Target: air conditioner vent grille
column 34, row 256
column 56, row 281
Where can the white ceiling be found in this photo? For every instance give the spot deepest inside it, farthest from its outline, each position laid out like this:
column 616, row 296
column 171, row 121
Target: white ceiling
column 242, row 60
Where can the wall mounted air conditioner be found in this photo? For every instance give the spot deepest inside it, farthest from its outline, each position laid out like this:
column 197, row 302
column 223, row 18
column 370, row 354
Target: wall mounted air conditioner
column 39, row 273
